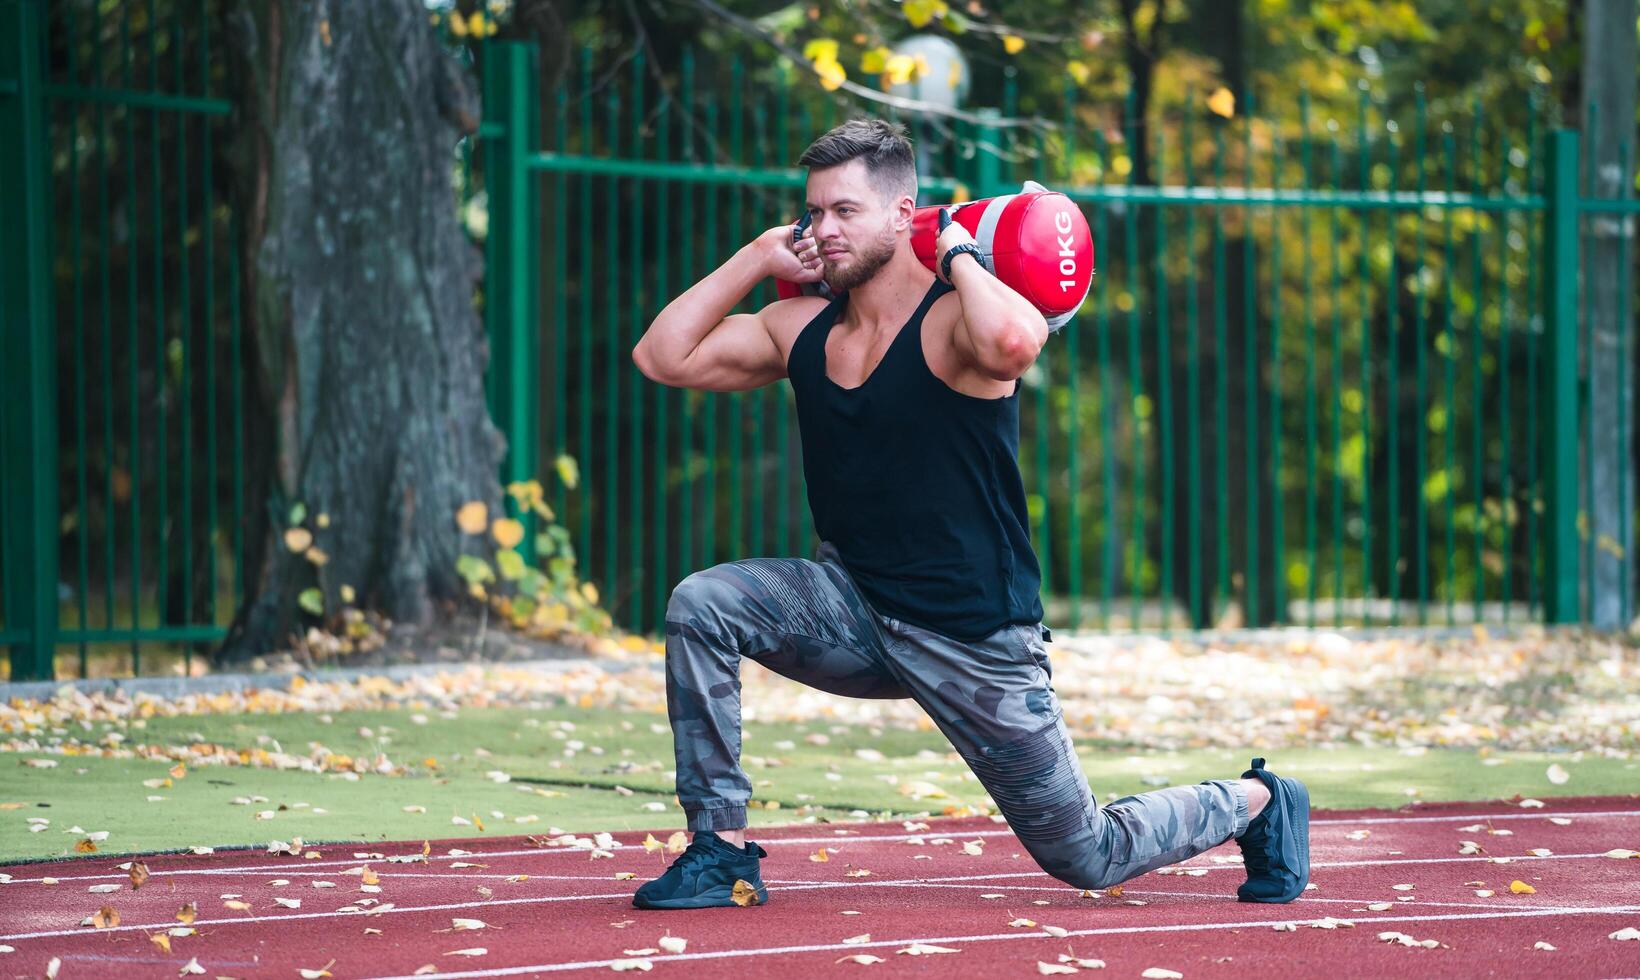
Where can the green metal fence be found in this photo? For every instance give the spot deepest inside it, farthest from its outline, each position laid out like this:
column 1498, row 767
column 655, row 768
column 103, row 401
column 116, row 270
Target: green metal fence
column 1330, row 372
column 124, row 442
column 1371, row 401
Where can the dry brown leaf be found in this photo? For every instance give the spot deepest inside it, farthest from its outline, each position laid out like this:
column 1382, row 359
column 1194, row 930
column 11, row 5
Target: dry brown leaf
column 187, row 913
column 1521, row 888
column 105, row 918
column 677, row 843
column 85, row 846
column 864, row 937
column 370, row 877
column 744, row 895
column 821, row 856
column 161, row 941
column 673, row 944
column 237, row 905
column 139, row 874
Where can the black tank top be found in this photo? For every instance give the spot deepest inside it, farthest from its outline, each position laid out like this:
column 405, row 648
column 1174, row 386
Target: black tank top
column 917, row 485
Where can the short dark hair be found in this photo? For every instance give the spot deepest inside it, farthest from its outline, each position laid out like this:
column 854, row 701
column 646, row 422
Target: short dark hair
column 883, row 146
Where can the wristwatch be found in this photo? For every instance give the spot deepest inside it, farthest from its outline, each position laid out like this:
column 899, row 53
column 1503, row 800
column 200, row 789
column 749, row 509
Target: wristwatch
column 966, row 247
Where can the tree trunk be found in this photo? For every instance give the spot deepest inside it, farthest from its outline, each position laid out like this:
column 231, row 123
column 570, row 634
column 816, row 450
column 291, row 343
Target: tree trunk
column 368, row 355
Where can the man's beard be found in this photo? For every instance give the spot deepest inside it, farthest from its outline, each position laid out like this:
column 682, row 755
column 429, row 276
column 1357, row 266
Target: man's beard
column 865, row 266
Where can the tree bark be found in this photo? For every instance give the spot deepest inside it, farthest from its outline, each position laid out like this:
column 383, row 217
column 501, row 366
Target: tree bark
column 368, row 356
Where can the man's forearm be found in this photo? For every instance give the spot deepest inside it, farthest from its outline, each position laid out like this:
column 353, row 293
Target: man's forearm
column 1006, row 328
column 679, row 329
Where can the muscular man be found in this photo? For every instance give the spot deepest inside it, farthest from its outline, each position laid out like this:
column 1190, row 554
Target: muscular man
column 925, row 585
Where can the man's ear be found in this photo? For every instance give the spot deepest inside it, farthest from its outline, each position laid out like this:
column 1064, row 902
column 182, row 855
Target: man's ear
column 905, row 212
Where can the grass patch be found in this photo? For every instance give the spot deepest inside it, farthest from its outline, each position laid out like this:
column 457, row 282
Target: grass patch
column 564, row 766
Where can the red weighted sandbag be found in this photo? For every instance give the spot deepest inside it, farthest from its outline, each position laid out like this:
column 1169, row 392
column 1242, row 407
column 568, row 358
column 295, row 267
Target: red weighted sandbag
column 1036, row 241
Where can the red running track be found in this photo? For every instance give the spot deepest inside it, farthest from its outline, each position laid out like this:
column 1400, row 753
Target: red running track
column 571, row 915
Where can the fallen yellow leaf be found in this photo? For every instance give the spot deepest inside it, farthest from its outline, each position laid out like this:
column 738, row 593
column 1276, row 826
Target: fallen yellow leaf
column 744, row 895
column 1521, row 888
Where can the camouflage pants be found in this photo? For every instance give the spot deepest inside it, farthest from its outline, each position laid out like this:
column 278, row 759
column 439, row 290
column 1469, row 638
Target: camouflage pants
column 993, row 699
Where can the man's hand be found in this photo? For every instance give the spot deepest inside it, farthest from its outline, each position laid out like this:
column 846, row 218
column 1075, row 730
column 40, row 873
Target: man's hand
column 792, row 260
column 953, row 235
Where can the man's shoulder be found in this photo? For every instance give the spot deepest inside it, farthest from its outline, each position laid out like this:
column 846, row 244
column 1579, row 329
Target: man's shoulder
column 786, row 318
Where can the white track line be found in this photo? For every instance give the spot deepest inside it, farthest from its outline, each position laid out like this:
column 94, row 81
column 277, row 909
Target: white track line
column 387, row 870
column 1515, row 815
column 543, row 899
column 781, row 841
column 994, row 937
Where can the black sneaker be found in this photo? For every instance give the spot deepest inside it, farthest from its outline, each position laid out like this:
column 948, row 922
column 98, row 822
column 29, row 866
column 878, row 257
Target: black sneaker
column 1276, row 846
column 704, row 876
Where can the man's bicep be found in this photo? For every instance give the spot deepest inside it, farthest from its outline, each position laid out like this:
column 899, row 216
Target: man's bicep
column 739, row 354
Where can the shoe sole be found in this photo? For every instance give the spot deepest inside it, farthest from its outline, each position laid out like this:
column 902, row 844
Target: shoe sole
column 719, row 897
column 1297, row 813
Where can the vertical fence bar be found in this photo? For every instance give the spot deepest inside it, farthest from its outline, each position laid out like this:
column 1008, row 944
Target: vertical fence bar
column 1421, row 420
column 1560, row 469
column 1365, row 299
column 1392, row 386
column 1335, row 172
column 759, row 397
column 1278, row 526
column 1194, row 614
column 238, row 412
column 1072, row 376
column 686, row 420
column 509, row 290
column 1136, row 447
column 583, row 445
column 1477, row 376
column 1449, row 359
column 29, row 503
column 736, row 400
column 162, row 466
column 1506, row 537
column 709, row 492
column 83, row 527
column 1250, row 612
column 185, row 326
column 609, row 513
column 208, row 239
column 105, row 304
column 661, row 577
column 1535, row 308
column 1221, row 388
column 1310, row 494
column 563, row 210
column 637, row 571
column 1625, row 415
column 787, row 534
column 1106, row 424
column 1164, row 388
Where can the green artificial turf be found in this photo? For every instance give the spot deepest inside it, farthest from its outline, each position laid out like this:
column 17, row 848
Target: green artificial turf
column 579, row 769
